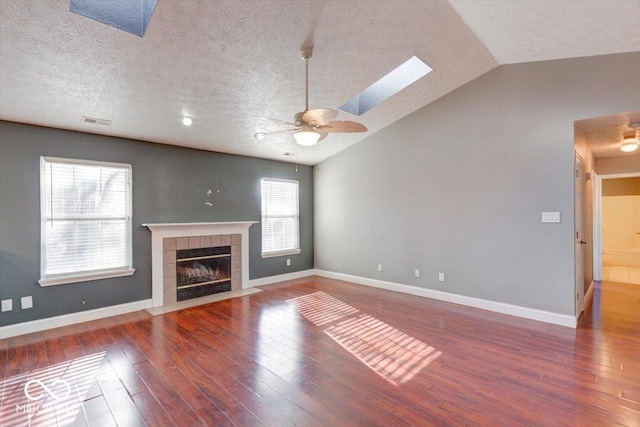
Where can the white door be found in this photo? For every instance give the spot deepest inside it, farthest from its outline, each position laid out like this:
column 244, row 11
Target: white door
column 578, row 234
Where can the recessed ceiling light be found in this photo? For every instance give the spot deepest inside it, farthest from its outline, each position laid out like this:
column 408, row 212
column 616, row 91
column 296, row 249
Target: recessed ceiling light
column 260, row 135
column 187, row 121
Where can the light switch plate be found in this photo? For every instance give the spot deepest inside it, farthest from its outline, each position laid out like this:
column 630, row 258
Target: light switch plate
column 441, row 277
column 550, row 216
column 7, row 305
column 26, row 302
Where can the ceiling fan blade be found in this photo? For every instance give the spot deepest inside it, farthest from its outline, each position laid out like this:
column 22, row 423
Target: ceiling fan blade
column 284, row 122
column 323, row 135
column 263, row 135
column 343, row 127
column 319, row 116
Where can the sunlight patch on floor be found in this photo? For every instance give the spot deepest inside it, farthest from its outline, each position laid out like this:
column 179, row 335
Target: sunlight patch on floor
column 321, row 308
column 392, row 354
column 50, row 396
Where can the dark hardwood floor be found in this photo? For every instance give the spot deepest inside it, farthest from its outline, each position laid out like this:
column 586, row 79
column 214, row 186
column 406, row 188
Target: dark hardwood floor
column 320, row 352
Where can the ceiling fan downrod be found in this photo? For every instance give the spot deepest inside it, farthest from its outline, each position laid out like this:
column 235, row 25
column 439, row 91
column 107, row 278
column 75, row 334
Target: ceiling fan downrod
column 306, row 53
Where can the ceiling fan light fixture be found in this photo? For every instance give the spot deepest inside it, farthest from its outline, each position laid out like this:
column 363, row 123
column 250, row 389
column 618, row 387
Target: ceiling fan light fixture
column 630, row 146
column 311, row 126
column 306, row 137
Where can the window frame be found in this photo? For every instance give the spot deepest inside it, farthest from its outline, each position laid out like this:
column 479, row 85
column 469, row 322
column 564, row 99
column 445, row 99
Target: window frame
column 281, row 252
column 75, row 277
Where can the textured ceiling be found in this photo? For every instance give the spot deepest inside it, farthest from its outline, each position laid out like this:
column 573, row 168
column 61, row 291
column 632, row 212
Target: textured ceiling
column 604, row 134
column 226, row 63
column 540, row 30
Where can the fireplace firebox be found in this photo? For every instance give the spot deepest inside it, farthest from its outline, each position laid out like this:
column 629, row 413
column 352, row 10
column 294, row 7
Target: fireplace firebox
column 203, row 271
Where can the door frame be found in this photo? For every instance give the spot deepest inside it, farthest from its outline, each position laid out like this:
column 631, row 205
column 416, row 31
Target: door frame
column 597, row 220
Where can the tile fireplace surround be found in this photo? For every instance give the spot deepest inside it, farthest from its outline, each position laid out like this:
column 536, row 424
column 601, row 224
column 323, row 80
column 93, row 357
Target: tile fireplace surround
column 167, row 238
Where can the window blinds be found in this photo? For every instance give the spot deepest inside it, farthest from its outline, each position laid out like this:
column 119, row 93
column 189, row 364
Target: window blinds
column 86, row 217
column 280, row 220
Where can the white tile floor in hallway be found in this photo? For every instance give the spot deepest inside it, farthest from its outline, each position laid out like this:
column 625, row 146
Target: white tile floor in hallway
column 621, row 274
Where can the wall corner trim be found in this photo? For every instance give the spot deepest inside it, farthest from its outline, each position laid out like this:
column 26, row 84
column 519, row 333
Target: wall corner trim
column 72, row 318
column 281, row 278
column 498, row 307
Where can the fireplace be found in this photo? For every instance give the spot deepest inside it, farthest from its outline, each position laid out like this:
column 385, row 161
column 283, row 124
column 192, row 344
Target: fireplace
column 202, row 271
column 210, row 257
column 197, row 266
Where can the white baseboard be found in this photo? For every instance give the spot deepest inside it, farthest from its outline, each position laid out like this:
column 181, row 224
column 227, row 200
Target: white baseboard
column 71, row 319
column 280, row 278
column 498, row 307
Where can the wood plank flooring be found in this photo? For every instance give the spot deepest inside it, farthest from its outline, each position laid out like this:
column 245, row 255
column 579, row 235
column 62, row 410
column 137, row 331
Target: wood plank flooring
column 321, row 352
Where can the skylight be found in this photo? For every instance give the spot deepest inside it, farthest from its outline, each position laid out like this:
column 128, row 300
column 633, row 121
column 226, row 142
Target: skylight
column 398, row 79
column 126, row 15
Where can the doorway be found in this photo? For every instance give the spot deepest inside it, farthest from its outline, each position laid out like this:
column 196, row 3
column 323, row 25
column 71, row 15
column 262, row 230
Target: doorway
column 617, row 228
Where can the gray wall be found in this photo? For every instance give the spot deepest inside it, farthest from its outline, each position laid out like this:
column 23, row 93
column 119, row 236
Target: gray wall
column 458, row 186
column 169, row 185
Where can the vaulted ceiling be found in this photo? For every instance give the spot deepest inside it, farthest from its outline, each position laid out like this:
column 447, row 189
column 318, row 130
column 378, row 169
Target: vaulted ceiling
column 226, row 64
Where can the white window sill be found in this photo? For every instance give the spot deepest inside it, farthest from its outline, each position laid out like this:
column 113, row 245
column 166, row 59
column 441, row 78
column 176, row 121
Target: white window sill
column 280, row 253
column 75, row 278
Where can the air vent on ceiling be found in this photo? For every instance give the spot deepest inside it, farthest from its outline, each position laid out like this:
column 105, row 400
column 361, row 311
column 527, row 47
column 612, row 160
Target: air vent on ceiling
column 95, row 121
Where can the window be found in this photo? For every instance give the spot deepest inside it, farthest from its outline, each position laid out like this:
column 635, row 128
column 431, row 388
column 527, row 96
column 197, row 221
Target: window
column 85, row 220
column 280, row 220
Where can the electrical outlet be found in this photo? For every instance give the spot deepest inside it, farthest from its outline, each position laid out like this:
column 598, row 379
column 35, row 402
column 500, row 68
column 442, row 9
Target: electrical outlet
column 7, row 305
column 441, row 277
column 26, row 302
column 417, row 273
column 379, row 267
column 288, row 261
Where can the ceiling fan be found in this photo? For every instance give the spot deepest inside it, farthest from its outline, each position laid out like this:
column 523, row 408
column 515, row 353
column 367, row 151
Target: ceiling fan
column 312, row 126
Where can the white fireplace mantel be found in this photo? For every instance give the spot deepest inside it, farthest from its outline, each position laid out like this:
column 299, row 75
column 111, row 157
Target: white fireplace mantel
column 169, row 230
